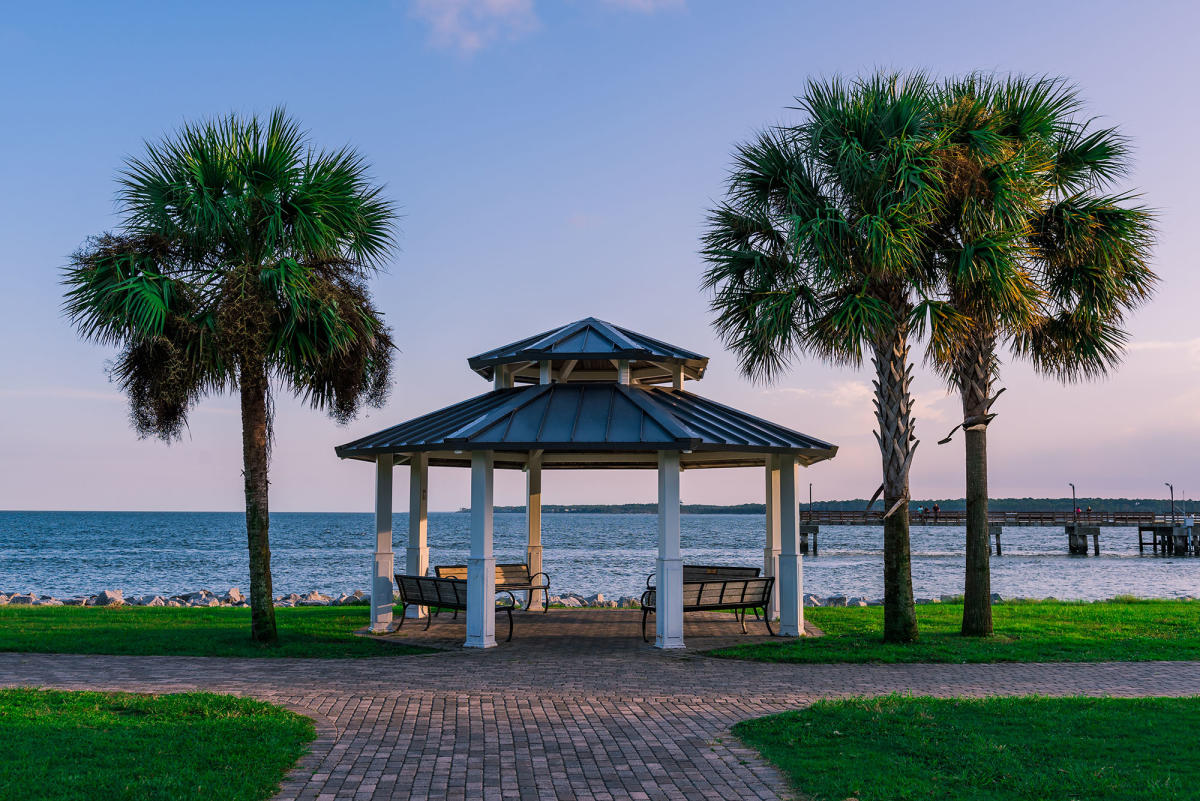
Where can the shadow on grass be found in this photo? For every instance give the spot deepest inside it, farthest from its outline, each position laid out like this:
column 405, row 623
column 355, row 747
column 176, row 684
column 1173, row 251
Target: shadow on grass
column 1046, row 631
column 322, row 632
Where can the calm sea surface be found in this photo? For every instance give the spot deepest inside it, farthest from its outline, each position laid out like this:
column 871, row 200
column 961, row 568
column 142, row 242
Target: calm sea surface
column 74, row 553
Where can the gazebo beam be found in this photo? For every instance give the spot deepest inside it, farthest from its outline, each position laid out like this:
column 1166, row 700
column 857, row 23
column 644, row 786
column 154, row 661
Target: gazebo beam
column 481, row 565
column 416, row 562
column 382, row 575
column 668, row 617
column 771, row 551
column 791, row 565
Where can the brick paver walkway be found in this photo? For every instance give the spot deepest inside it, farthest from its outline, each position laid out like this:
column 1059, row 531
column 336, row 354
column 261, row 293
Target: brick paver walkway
column 575, row 707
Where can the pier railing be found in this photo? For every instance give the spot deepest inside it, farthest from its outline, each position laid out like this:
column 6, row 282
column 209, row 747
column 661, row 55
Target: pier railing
column 958, row 517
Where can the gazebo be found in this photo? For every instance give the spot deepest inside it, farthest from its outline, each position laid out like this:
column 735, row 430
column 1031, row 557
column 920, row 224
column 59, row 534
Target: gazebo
column 589, row 395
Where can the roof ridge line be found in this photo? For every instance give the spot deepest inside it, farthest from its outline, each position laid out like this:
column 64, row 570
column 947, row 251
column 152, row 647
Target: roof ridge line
column 556, row 335
column 618, row 336
column 521, row 398
column 791, row 431
column 671, row 423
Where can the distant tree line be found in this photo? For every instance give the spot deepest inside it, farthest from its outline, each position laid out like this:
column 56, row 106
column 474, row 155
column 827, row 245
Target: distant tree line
column 854, row 504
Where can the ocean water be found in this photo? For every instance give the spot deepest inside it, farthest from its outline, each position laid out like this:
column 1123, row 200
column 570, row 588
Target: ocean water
column 75, row 553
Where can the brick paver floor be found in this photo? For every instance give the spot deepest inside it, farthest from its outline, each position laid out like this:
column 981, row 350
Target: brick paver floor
column 575, row 707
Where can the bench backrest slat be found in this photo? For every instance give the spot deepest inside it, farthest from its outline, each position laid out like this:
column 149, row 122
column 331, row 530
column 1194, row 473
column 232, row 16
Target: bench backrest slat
column 424, row 591
column 716, row 572
column 514, row 573
column 724, row 593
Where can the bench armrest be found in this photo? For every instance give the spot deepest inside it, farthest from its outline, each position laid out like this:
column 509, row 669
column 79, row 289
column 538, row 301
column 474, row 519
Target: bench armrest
column 512, row 601
column 650, row 580
column 546, row 583
column 645, row 599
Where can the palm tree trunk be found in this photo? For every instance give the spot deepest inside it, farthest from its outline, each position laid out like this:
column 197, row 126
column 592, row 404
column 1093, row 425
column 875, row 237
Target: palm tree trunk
column 974, row 379
column 893, row 412
column 255, row 443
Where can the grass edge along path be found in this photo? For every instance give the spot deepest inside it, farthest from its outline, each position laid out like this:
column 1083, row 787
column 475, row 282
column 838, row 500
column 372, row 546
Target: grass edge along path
column 76, row 746
column 897, row 748
column 1039, row 631
column 322, row 632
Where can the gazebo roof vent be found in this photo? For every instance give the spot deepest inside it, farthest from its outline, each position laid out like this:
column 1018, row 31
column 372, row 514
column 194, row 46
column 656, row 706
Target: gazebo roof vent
column 590, row 350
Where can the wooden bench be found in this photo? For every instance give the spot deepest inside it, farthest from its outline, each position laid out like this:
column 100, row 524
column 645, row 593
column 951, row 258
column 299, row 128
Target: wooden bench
column 509, row 578
column 692, row 573
column 735, row 594
column 438, row 594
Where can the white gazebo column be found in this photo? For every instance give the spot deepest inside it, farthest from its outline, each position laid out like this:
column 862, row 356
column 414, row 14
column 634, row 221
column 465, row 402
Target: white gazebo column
column 382, row 574
column 668, row 616
column 481, row 565
column 533, row 519
column 501, row 377
column 416, row 561
column 791, row 565
column 771, row 551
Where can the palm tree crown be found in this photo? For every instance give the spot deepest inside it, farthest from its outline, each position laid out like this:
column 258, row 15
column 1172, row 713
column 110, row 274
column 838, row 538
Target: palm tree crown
column 241, row 260
column 1033, row 255
column 819, row 247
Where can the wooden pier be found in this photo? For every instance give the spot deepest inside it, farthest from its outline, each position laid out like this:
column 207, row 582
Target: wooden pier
column 1170, row 539
column 1169, row 535
column 958, row 517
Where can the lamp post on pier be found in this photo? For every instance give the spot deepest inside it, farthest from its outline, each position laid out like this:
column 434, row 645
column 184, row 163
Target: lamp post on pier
column 1171, row 487
column 1074, row 505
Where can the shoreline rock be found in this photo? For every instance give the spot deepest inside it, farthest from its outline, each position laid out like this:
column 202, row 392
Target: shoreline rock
column 571, row 600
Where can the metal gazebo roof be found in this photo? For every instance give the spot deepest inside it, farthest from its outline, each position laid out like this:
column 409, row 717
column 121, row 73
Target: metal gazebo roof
column 586, row 350
column 591, row 425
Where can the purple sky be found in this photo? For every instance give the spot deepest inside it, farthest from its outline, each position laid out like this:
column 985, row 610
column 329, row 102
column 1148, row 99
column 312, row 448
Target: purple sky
column 535, row 147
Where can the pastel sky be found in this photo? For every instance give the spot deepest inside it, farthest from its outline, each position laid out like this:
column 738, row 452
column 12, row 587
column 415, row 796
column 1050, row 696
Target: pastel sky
column 555, row 161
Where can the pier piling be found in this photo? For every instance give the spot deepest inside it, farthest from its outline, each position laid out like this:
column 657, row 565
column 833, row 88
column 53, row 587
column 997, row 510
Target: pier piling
column 1077, row 537
column 808, row 533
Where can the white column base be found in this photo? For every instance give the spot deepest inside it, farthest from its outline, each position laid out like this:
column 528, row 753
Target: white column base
column 481, row 602
column 771, row 568
column 382, row 594
column 668, row 617
column 416, row 563
column 533, row 558
column 791, row 595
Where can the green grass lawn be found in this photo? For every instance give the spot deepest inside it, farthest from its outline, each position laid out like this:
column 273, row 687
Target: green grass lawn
column 999, row 749
column 80, row 746
column 303, row 632
column 1044, row 631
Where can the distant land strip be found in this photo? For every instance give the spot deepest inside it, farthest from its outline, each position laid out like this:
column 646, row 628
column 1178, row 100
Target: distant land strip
column 1099, row 505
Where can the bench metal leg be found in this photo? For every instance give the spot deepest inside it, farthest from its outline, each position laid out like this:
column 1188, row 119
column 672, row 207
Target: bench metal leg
column 428, row 621
column 645, row 614
column 510, row 625
column 402, row 616
column 767, row 620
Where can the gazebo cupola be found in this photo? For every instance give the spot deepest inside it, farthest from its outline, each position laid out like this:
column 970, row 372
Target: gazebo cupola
column 589, row 395
column 589, row 350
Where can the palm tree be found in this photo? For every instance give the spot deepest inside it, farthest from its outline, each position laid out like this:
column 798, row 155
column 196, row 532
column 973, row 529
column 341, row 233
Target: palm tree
column 819, row 248
column 1034, row 255
column 240, row 263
